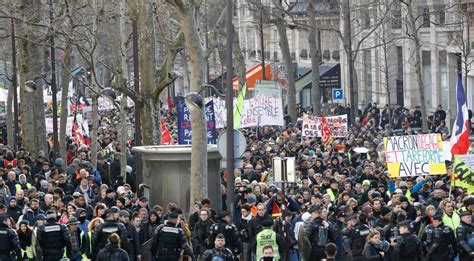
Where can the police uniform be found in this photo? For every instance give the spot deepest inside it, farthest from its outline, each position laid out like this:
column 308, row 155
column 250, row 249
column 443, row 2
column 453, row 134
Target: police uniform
column 8, row 241
column 439, row 241
column 465, row 237
column 230, row 232
column 223, row 254
column 168, row 241
column 103, row 231
column 53, row 238
column 408, row 246
column 354, row 239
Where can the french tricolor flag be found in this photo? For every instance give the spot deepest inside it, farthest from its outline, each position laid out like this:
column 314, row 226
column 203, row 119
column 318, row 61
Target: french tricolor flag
column 460, row 135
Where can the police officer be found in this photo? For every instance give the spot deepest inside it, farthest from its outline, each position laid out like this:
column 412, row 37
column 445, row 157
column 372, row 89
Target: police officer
column 465, row 236
column 219, row 252
column 102, row 232
column 53, row 238
column 230, row 232
column 168, row 240
column 269, row 237
column 8, row 240
column 133, row 240
column 407, row 245
column 317, row 231
column 355, row 235
column 439, row 240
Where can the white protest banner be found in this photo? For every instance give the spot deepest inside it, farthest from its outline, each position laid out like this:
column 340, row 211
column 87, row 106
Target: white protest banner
column 49, row 125
column 262, row 110
column 414, row 155
column 105, row 104
column 259, row 110
column 337, row 126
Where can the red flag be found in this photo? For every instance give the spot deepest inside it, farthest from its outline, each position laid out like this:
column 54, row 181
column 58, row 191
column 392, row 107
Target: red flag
column 170, row 103
column 77, row 133
column 325, row 132
column 165, row 134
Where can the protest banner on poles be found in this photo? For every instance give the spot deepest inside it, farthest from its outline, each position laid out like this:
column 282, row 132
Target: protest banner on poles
column 259, row 110
column 184, row 123
column 414, row 155
column 463, row 172
column 337, row 125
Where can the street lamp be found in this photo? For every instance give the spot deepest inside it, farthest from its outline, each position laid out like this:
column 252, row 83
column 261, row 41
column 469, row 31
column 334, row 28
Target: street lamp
column 195, row 98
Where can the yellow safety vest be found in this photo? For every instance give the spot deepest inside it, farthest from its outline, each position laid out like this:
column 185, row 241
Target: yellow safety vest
column 453, row 222
column 83, row 255
column 264, row 238
column 18, row 186
column 331, row 194
column 28, row 251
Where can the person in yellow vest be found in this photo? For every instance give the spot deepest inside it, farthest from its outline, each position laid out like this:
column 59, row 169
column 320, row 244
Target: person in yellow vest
column 79, row 240
column 25, row 234
column 268, row 237
column 333, row 190
column 22, row 183
column 450, row 217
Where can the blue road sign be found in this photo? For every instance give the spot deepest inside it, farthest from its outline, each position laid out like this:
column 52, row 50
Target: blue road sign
column 337, row 94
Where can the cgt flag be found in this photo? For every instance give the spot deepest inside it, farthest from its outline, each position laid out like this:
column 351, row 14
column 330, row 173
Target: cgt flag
column 326, row 133
column 463, row 175
column 460, row 135
column 165, row 134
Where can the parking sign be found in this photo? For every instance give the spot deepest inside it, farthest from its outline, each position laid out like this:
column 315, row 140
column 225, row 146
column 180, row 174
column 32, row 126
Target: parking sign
column 338, row 94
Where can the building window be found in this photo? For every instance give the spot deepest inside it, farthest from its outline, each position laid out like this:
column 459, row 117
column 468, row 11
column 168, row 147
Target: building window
column 326, row 55
column 366, row 18
column 335, row 55
column 425, row 13
column 275, row 56
column 267, row 55
column 293, row 56
column 440, row 15
column 400, row 92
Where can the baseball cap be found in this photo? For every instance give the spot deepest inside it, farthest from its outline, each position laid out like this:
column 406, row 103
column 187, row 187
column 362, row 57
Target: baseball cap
column 124, row 213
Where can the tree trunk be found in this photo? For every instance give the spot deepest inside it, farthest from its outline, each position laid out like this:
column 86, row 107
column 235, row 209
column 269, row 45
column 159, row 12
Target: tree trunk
column 123, row 82
column 280, row 23
column 95, row 97
column 29, row 62
column 417, row 61
column 10, row 117
column 347, row 42
column 65, row 79
column 142, row 12
column 187, row 16
column 315, row 53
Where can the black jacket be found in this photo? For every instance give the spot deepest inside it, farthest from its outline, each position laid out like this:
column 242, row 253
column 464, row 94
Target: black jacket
column 112, row 253
column 200, row 234
column 372, row 252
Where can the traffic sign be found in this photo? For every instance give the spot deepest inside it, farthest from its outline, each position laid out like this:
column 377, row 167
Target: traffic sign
column 240, row 143
column 338, row 94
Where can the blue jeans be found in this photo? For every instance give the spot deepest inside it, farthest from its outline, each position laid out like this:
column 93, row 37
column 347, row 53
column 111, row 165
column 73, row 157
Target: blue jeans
column 247, row 251
column 294, row 255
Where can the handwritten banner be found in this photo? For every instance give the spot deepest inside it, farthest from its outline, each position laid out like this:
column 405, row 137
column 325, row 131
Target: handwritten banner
column 259, row 110
column 414, row 155
column 184, row 123
column 464, row 172
column 337, row 125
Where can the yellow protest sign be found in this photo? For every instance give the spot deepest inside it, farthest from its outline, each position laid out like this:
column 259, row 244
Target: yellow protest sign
column 463, row 172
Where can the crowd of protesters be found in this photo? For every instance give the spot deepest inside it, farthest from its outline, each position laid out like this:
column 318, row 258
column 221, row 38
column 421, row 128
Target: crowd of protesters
column 344, row 206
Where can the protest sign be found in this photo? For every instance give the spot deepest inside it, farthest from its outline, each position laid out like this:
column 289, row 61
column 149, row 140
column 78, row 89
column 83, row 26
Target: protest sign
column 414, row 155
column 262, row 110
column 210, row 123
column 259, row 110
column 184, row 123
column 337, row 125
column 463, row 173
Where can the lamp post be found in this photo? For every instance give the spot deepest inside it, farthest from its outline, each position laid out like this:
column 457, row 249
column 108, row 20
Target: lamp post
column 230, row 107
column 15, row 87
